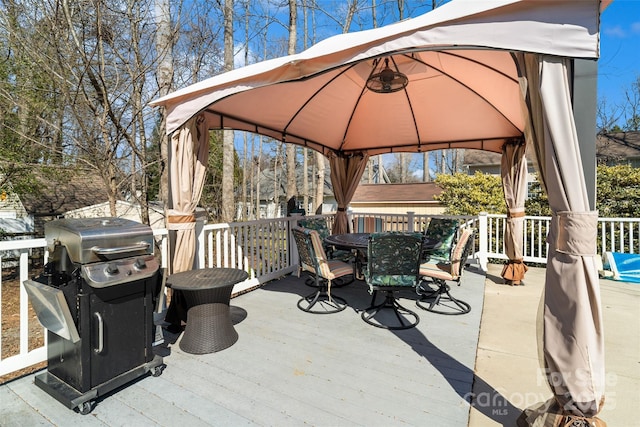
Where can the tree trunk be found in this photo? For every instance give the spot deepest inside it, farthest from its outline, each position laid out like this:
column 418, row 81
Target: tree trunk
column 425, row 167
column 319, row 199
column 292, row 189
column 164, row 75
column 228, row 203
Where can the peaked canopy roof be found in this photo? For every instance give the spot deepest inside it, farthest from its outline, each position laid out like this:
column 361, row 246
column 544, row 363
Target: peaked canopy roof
column 463, row 89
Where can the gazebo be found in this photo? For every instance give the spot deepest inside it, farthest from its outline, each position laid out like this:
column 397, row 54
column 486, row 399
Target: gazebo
column 494, row 75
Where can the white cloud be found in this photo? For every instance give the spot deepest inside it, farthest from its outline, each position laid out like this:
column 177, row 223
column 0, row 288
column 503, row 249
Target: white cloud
column 635, row 28
column 616, row 31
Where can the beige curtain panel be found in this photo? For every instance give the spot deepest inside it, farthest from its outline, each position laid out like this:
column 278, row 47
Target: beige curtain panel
column 572, row 336
column 346, row 172
column 188, row 157
column 513, row 169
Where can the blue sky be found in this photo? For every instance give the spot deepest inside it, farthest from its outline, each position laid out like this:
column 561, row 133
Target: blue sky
column 619, row 63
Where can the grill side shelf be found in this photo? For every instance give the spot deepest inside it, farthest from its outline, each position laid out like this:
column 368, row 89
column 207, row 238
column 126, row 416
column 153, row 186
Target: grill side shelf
column 52, row 310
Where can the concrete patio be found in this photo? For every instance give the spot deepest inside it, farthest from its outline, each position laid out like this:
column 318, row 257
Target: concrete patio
column 507, row 359
column 295, row 368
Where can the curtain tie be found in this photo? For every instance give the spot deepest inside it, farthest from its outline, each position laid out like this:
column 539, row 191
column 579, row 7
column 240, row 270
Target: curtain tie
column 515, row 213
column 181, row 222
column 577, row 232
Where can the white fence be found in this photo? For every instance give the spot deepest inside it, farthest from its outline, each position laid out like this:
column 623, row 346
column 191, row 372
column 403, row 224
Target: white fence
column 264, row 250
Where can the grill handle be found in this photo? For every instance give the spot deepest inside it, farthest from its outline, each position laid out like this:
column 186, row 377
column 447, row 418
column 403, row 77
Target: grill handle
column 142, row 246
column 100, row 333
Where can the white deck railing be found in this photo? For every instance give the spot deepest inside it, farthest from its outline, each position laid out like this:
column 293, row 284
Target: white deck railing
column 264, row 250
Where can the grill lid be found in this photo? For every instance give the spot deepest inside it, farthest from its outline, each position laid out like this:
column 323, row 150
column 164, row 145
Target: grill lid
column 90, row 240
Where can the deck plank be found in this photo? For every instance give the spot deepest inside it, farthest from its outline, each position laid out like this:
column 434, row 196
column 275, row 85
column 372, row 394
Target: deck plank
column 16, row 412
column 291, row 368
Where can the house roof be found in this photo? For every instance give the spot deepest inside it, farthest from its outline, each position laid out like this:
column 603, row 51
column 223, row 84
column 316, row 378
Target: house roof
column 392, row 193
column 618, row 146
column 480, row 158
column 60, row 190
column 609, row 147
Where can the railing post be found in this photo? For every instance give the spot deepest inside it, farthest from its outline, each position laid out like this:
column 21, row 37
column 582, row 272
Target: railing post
column 198, row 261
column 411, row 217
column 483, row 240
column 292, row 248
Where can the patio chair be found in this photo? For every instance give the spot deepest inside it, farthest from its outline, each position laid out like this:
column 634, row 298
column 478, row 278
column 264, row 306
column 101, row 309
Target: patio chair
column 314, row 260
column 320, row 225
column 368, row 224
column 439, row 299
column 439, row 236
column 393, row 261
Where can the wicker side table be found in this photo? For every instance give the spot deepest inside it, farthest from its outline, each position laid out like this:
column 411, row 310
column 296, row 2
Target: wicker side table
column 207, row 293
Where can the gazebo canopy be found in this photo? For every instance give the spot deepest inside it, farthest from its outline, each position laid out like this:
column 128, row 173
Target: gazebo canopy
column 463, row 89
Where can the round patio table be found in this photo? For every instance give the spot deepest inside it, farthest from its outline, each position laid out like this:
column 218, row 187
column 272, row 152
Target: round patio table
column 348, row 241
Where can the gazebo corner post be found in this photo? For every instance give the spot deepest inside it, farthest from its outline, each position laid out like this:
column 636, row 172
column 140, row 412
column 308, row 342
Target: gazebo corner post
column 188, row 157
column 346, row 171
column 294, row 258
column 513, row 169
column 572, row 330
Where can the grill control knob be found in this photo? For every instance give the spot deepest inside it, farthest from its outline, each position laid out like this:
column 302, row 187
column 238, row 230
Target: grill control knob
column 111, row 269
column 140, row 264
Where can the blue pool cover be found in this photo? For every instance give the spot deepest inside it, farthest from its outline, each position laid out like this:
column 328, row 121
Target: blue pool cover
column 625, row 267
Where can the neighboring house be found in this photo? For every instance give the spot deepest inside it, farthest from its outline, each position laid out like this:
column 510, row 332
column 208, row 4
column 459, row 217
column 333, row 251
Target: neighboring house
column 611, row 149
column 619, row 148
column 11, row 206
column 124, row 209
column 58, row 191
column 488, row 162
column 397, row 198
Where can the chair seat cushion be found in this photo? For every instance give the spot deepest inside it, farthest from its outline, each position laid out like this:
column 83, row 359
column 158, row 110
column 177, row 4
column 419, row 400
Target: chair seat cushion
column 338, row 268
column 439, row 271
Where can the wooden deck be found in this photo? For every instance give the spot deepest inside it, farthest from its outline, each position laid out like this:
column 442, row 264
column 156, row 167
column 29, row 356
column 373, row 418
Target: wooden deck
column 294, row 368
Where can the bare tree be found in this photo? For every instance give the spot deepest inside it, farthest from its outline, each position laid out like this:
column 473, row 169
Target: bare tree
column 228, row 200
column 164, row 73
column 426, row 177
column 292, row 189
column 606, row 116
column 632, row 106
column 106, row 78
column 31, row 108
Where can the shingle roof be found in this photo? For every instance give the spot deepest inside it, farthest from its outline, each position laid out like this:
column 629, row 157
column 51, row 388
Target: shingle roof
column 609, row 147
column 61, row 190
column 618, row 146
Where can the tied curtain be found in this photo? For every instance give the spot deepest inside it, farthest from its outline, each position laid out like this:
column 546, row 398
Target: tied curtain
column 346, row 172
column 572, row 334
column 189, row 153
column 513, row 169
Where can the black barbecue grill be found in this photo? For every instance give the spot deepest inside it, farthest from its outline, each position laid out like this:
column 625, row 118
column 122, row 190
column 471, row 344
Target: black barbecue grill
column 96, row 298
